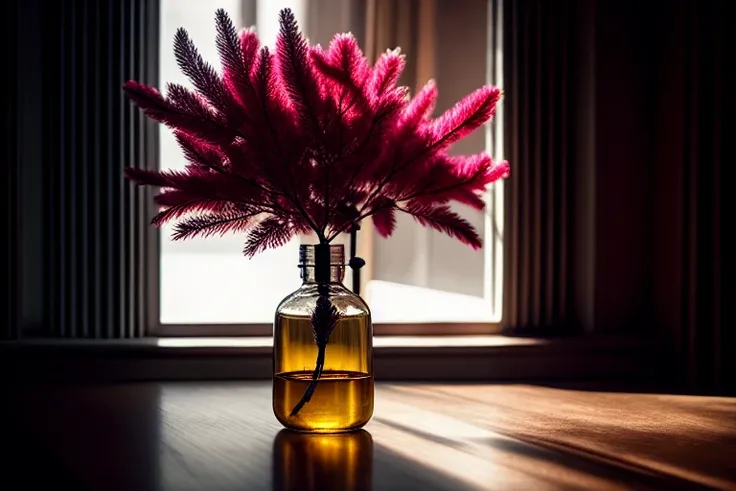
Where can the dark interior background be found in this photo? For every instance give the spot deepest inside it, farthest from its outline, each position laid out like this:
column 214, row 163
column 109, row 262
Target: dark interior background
column 617, row 231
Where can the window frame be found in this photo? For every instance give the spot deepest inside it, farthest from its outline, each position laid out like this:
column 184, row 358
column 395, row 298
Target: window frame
column 493, row 243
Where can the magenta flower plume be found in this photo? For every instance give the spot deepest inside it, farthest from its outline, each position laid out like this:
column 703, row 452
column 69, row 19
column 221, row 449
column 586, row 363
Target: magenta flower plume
column 309, row 139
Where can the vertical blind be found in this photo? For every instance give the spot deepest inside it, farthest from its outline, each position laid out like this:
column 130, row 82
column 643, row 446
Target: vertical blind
column 84, row 229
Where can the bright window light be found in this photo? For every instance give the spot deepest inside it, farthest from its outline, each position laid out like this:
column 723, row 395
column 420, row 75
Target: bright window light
column 416, row 276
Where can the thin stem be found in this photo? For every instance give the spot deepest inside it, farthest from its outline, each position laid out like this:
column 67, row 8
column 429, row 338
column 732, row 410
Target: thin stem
column 353, row 241
column 400, row 200
column 353, row 252
column 319, row 365
column 395, row 170
column 352, row 222
column 252, row 182
column 295, row 200
column 327, row 198
column 327, row 174
column 425, row 192
column 216, row 223
column 377, row 119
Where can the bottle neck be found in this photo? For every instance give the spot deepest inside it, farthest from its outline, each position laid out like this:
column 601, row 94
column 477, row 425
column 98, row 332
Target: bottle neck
column 322, row 263
column 309, row 274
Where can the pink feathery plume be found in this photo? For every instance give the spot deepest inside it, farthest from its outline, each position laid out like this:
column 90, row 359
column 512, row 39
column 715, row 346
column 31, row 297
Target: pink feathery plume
column 310, row 139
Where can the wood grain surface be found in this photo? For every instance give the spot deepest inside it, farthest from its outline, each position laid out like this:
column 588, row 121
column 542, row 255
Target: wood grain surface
column 222, row 436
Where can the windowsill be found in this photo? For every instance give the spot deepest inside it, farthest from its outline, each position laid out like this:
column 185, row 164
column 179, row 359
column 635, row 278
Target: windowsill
column 379, row 342
column 396, row 358
column 262, row 345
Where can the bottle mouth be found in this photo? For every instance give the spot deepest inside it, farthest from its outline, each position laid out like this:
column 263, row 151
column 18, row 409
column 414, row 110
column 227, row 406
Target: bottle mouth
column 308, row 254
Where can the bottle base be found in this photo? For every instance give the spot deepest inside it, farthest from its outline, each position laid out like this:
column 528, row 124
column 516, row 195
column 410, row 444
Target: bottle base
column 323, row 431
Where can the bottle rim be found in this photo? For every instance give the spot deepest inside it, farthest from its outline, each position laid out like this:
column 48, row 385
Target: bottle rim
column 307, row 254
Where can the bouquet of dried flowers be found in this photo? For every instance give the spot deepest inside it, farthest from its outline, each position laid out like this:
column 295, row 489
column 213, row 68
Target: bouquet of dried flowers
column 306, row 139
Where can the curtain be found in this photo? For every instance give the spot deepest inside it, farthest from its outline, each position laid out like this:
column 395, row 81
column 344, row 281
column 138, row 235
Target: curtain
column 408, row 24
column 81, row 232
column 614, row 208
column 540, row 133
column 689, row 293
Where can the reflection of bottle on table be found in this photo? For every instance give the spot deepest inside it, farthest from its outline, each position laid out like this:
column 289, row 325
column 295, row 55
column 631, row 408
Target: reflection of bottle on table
column 324, row 462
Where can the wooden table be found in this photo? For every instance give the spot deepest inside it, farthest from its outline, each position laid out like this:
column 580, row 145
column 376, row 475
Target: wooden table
column 222, row 436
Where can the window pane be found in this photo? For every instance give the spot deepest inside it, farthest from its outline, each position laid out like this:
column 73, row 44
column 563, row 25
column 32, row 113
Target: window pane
column 208, row 281
column 417, row 275
column 420, row 275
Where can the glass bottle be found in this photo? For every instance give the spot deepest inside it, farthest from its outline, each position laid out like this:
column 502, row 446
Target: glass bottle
column 342, row 399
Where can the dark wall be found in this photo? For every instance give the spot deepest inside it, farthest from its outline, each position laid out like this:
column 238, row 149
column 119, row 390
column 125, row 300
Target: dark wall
column 22, row 210
column 648, row 195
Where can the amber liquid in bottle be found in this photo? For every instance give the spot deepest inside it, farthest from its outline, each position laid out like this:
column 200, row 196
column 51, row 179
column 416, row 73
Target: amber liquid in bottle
column 343, row 398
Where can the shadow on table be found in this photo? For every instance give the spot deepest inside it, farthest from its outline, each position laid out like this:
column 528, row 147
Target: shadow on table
column 679, row 441
column 538, row 457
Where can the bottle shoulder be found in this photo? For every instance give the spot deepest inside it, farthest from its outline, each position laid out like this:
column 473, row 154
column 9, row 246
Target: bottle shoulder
column 304, row 299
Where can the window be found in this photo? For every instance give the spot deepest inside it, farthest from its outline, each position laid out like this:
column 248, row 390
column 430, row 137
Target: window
column 417, row 277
